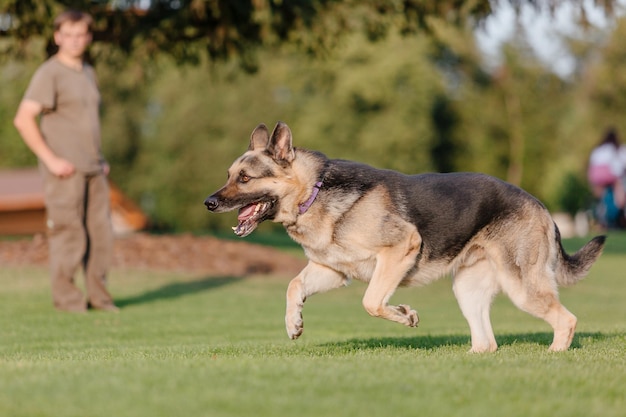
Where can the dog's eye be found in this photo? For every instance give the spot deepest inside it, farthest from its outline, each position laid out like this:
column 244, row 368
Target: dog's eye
column 243, row 177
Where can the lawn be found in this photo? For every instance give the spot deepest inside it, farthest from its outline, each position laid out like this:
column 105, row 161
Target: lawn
column 186, row 345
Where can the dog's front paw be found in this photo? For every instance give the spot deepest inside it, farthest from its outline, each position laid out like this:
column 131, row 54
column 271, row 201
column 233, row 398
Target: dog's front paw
column 295, row 325
column 412, row 319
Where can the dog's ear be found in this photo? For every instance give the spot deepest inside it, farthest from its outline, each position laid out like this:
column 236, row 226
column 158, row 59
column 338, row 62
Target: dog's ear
column 280, row 145
column 259, row 138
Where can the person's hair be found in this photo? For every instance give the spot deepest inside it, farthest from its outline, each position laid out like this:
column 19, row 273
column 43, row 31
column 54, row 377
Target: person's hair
column 610, row 136
column 73, row 16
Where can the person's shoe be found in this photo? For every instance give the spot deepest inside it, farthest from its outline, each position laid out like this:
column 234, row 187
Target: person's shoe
column 111, row 308
column 78, row 309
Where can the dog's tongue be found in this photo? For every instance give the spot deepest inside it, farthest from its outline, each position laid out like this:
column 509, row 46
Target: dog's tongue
column 246, row 212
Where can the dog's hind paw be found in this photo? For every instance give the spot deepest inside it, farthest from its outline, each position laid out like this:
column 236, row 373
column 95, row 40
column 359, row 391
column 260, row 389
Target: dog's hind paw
column 410, row 315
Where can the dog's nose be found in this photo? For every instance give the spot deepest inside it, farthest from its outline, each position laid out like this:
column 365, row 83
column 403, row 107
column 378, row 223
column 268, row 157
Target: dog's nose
column 211, row 203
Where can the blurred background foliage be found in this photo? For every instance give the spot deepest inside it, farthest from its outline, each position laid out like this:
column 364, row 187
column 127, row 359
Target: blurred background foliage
column 398, row 85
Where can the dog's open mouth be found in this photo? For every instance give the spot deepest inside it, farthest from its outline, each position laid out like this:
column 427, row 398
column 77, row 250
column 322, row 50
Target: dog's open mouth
column 250, row 216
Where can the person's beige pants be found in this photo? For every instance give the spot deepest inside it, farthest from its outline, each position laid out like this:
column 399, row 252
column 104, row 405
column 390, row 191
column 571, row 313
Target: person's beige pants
column 79, row 234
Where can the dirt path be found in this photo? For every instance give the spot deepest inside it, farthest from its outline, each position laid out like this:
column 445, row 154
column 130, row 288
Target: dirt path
column 185, row 253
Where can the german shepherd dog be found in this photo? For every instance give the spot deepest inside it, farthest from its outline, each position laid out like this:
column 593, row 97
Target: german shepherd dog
column 389, row 230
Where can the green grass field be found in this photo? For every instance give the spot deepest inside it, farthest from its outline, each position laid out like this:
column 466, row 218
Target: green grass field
column 186, row 345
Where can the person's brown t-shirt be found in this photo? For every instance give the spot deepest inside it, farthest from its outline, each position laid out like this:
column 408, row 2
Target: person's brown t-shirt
column 70, row 121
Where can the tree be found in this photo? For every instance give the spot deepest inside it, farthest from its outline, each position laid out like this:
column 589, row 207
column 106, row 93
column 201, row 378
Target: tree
column 507, row 123
column 225, row 28
column 187, row 29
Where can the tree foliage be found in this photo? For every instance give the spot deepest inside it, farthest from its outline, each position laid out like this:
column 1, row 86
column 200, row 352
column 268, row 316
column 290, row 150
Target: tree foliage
column 189, row 29
column 186, row 29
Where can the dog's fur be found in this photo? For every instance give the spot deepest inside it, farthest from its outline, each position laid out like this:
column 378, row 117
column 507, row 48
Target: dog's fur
column 390, row 230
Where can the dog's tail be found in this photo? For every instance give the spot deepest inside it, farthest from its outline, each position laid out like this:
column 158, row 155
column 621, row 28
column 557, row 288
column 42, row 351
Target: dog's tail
column 574, row 267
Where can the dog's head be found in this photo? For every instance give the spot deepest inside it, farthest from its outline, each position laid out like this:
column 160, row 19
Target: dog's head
column 259, row 180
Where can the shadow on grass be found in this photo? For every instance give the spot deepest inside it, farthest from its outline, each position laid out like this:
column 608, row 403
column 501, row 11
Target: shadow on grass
column 176, row 290
column 430, row 342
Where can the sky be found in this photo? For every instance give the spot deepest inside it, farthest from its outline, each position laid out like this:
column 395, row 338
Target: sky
column 544, row 31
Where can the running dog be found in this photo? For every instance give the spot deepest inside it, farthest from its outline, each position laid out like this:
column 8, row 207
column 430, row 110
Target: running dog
column 389, row 230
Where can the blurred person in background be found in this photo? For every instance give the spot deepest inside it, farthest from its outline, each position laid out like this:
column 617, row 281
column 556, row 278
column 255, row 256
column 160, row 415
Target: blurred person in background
column 64, row 95
column 607, row 176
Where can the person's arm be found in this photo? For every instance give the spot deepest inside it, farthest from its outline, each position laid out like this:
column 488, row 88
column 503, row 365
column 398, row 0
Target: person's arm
column 26, row 123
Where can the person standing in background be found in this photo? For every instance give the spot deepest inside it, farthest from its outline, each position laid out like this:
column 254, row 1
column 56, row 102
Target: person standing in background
column 606, row 174
column 64, row 94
